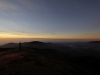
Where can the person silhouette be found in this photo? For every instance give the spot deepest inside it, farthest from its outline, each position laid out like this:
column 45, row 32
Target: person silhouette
column 20, row 46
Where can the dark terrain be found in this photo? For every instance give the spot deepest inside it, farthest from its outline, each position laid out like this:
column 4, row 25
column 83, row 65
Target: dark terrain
column 54, row 59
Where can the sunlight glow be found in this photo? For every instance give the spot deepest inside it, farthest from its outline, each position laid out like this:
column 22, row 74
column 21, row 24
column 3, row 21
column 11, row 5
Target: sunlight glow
column 12, row 35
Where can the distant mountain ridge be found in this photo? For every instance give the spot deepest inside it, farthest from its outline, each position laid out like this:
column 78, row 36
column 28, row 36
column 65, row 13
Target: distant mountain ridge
column 9, row 45
column 95, row 42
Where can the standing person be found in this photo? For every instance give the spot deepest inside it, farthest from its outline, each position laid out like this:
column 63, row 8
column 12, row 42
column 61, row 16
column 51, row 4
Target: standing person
column 20, row 46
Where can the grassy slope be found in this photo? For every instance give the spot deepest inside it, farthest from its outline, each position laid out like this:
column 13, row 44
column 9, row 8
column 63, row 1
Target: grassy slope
column 36, row 62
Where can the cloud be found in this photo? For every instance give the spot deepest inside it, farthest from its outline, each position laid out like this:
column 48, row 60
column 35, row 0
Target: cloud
column 6, row 5
column 33, row 4
column 91, row 36
column 10, row 27
column 9, row 8
column 29, row 4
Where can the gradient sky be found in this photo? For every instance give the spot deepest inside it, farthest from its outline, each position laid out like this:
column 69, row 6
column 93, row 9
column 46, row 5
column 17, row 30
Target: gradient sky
column 61, row 19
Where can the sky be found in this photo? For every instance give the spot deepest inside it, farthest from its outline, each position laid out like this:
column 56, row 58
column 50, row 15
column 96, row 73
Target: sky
column 54, row 19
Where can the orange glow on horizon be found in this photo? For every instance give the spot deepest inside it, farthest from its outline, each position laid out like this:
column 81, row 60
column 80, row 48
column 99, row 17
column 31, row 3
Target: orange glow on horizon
column 69, row 36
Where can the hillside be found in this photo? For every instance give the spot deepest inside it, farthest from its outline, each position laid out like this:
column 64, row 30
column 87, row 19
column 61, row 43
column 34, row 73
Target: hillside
column 36, row 62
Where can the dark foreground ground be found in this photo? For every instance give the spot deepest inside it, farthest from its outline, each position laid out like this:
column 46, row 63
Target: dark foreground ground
column 38, row 62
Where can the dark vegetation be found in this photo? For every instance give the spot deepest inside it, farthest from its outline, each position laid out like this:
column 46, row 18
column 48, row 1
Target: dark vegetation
column 95, row 42
column 33, row 58
column 36, row 42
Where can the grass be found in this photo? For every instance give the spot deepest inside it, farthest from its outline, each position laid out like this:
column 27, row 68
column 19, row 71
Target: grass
column 35, row 62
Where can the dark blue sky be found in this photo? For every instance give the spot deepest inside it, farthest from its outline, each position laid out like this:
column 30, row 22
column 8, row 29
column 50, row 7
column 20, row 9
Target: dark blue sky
column 64, row 19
